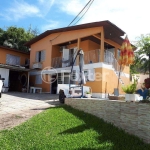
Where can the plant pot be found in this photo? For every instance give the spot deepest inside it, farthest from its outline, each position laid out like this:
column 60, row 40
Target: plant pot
column 88, row 95
column 131, row 97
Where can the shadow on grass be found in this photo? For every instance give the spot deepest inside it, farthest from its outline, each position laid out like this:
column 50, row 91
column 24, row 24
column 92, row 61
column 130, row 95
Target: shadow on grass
column 107, row 132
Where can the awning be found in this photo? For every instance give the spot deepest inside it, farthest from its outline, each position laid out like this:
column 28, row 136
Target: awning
column 13, row 67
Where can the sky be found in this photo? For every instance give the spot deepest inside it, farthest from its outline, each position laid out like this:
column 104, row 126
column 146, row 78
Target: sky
column 132, row 16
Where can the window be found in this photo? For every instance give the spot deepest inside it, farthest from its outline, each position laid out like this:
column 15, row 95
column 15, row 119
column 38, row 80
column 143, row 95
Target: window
column 40, row 56
column 38, row 79
column 12, row 59
column 89, row 75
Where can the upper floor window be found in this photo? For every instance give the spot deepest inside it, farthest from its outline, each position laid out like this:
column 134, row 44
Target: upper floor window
column 12, row 59
column 40, row 56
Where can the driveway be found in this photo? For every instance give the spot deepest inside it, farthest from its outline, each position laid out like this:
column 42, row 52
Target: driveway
column 16, row 107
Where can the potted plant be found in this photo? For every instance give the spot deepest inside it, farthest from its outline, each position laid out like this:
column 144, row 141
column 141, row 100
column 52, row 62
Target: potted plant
column 88, row 94
column 130, row 91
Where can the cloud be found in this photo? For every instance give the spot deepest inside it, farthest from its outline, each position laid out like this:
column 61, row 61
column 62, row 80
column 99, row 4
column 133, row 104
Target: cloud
column 130, row 16
column 21, row 9
column 71, row 7
column 45, row 6
column 50, row 25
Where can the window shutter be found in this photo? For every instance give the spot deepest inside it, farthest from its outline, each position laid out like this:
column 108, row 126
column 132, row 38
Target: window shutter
column 43, row 55
column 17, row 60
column 12, row 60
column 37, row 57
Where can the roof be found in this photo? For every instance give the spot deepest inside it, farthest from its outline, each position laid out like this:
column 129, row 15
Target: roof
column 111, row 31
column 11, row 49
column 13, row 67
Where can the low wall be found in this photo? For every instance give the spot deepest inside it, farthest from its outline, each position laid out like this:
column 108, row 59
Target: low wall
column 134, row 118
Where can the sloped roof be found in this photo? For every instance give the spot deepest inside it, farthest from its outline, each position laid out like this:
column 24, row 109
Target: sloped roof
column 11, row 49
column 111, row 31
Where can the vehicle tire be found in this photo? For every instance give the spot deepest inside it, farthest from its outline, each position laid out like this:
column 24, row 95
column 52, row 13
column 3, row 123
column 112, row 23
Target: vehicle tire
column 61, row 96
column 0, row 95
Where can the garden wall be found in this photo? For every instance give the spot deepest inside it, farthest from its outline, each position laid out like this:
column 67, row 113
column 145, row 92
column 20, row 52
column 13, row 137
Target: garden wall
column 134, row 118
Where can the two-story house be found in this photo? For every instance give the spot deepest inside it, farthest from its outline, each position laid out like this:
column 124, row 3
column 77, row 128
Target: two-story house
column 14, row 68
column 100, row 41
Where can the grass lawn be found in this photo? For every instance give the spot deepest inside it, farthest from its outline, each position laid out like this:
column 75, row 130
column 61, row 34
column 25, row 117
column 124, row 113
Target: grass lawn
column 65, row 128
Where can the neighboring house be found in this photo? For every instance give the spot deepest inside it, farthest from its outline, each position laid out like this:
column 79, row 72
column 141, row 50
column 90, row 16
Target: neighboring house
column 100, row 42
column 14, row 66
column 141, row 77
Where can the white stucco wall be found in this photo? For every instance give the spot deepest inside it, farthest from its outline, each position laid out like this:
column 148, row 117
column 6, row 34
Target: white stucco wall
column 5, row 74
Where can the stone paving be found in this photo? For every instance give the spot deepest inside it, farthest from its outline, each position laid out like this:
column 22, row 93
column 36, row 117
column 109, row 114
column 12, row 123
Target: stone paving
column 16, row 107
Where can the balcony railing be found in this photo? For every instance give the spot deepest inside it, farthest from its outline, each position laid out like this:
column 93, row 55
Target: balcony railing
column 92, row 56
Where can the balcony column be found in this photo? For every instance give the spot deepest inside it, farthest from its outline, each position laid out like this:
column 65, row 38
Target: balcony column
column 102, row 46
column 78, row 47
column 116, row 53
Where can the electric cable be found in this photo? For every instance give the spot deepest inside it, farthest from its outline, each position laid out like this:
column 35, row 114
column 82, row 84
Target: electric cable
column 85, row 12
column 74, row 19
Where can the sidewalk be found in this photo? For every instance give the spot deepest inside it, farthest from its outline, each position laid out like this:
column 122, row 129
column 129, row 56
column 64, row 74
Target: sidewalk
column 16, row 107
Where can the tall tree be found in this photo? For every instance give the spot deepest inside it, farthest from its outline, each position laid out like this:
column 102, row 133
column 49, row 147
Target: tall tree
column 15, row 37
column 143, row 45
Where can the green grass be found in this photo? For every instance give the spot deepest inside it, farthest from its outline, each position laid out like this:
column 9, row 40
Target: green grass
column 65, row 128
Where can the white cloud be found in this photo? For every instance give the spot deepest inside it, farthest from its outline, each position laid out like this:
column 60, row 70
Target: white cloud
column 71, row 7
column 45, row 6
column 21, row 9
column 50, row 25
column 130, row 16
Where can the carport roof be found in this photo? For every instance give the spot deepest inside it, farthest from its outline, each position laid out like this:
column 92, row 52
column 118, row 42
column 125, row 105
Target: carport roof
column 111, row 31
column 13, row 67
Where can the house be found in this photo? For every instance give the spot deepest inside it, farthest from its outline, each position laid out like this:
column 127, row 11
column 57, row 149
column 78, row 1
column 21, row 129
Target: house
column 100, row 41
column 14, row 68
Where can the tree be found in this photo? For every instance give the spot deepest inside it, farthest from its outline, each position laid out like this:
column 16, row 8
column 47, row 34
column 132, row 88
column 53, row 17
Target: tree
column 143, row 53
column 15, row 37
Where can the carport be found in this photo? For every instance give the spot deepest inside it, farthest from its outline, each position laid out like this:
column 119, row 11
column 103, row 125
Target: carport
column 15, row 76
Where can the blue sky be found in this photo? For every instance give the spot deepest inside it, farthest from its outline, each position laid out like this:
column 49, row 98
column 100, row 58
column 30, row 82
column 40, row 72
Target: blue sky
column 130, row 15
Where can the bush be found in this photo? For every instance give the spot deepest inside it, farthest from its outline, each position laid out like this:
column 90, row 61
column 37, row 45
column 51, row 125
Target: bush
column 131, row 88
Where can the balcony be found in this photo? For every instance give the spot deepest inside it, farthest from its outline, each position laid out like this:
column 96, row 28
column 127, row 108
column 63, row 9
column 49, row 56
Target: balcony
column 90, row 57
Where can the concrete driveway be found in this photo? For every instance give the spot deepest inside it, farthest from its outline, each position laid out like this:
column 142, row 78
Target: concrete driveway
column 16, row 107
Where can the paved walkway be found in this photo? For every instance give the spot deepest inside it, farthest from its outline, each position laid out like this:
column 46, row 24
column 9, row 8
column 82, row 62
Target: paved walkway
column 16, row 107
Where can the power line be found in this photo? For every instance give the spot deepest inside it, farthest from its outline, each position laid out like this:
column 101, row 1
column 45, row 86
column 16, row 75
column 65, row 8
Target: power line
column 84, row 13
column 75, row 18
column 79, row 13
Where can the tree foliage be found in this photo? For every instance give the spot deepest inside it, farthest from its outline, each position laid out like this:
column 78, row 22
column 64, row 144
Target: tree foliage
column 15, row 37
column 142, row 56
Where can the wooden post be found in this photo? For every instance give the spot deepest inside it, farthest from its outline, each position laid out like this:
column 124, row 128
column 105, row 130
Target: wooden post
column 102, row 46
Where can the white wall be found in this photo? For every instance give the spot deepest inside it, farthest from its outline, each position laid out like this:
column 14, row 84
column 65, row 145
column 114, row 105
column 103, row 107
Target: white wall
column 5, row 74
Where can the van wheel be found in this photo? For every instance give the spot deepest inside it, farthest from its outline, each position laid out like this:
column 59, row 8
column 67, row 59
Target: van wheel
column 0, row 95
column 61, row 96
